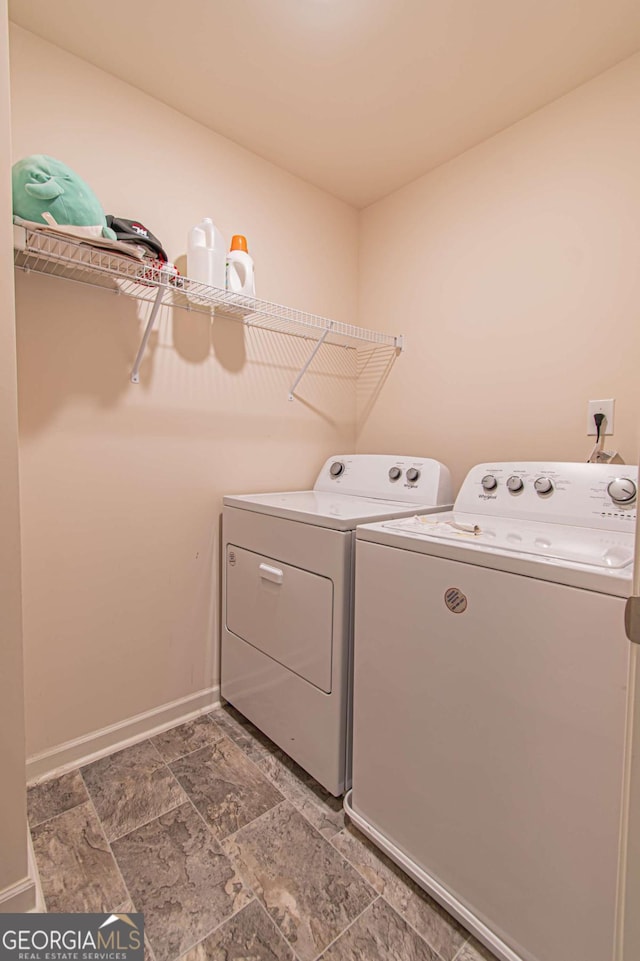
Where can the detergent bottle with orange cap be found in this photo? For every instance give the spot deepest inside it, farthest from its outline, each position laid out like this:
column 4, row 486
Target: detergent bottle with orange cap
column 240, row 270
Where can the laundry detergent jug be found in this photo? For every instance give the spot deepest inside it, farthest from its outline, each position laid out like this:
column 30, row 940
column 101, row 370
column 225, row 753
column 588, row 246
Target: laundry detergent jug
column 240, row 269
column 206, row 257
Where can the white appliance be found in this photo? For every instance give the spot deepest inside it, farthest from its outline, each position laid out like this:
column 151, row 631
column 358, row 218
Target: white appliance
column 287, row 599
column 490, row 702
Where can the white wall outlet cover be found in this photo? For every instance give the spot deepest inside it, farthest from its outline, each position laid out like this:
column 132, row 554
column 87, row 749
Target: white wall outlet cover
column 600, row 407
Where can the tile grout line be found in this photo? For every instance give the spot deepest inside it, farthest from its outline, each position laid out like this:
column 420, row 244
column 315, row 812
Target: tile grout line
column 254, row 896
column 344, row 930
column 431, row 947
column 187, row 753
column 371, row 889
column 222, row 851
column 256, row 764
column 201, row 816
column 144, row 824
column 224, row 737
column 281, row 933
column 32, row 827
column 111, row 851
column 264, row 774
column 467, row 934
column 207, row 826
column 381, row 894
column 248, row 886
column 244, row 733
column 115, row 860
column 167, row 765
column 156, row 816
column 149, row 740
column 458, row 953
column 88, row 800
column 294, row 806
column 147, row 943
column 258, row 818
column 299, row 809
column 213, row 930
column 173, row 807
column 257, row 897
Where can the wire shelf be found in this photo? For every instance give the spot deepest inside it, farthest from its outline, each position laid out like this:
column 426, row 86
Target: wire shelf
column 59, row 256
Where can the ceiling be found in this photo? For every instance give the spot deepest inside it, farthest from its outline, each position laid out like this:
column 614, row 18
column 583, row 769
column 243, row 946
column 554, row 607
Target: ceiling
column 356, row 96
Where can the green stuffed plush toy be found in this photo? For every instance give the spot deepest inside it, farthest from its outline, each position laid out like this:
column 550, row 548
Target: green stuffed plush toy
column 46, row 191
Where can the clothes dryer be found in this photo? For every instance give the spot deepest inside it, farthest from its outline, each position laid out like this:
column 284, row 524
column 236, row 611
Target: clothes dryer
column 287, row 599
column 490, row 706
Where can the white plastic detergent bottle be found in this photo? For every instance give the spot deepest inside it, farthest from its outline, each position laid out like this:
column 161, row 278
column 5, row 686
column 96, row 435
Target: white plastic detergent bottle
column 206, row 258
column 240, row 270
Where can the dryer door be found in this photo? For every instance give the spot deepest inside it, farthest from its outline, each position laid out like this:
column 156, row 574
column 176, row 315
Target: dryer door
column 283, row 611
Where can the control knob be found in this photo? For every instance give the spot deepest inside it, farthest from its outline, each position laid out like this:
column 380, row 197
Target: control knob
column 543, row 485
column 395, row 474
column 413, row 474
column 622, row 490
column 489, row 482
column 336, row 468
column 515, row 484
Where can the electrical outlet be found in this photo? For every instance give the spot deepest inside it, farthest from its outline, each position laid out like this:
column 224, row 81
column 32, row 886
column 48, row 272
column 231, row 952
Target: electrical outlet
column 600, row 407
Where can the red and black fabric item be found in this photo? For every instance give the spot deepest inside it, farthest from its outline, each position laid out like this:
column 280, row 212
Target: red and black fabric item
column 133, row 232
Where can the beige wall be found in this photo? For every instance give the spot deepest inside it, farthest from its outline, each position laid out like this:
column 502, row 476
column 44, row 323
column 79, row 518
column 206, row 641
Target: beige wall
column 513, row 270
column 13, row 827
column 121, row 484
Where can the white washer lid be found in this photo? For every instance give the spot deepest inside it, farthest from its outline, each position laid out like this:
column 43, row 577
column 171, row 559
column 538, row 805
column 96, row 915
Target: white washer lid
column 342, row 512
column 579, row 557
column 573, row 545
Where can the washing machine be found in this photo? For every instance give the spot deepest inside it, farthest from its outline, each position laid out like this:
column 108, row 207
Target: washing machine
column 490, row 702
column 287, row 599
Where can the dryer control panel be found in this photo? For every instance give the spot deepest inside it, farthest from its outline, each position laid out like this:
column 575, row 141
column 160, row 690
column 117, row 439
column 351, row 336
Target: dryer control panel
column 415, row 480
column 602, row 496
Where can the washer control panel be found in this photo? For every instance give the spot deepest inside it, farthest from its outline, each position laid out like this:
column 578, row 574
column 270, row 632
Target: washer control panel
column 587, row 495
column 418, row 480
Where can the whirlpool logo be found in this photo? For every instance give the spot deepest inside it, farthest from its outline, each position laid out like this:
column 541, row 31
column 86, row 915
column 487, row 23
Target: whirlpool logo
column 71, row 937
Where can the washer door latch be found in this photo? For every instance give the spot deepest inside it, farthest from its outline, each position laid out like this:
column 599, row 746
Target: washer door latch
column 632, row 619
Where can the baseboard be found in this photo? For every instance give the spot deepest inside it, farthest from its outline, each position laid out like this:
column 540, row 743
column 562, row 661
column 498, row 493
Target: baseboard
column 64, row 757
column 39, row 905
column 18, row 898
column 26, row 895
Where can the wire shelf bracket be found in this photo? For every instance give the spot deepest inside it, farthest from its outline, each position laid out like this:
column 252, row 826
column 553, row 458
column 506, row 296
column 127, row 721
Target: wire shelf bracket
column 107, row 266
column 307, row 364
column 135, row 372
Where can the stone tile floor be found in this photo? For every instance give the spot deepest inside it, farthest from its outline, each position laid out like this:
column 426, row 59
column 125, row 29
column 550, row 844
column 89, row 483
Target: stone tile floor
column 232, row 852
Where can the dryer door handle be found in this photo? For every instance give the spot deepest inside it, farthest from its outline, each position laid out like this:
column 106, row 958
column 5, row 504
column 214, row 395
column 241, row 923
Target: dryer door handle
column 269, row 573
